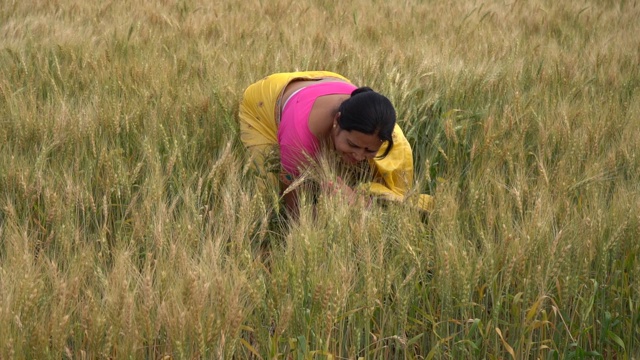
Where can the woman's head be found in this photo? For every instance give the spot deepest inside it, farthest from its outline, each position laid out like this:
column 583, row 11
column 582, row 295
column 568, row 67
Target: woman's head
column 364, row 122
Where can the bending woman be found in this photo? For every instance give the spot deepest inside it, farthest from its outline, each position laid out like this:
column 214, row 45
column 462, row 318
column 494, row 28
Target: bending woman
column 296, row 112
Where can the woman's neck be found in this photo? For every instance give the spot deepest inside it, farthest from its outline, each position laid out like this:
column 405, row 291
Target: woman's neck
column 325, row 115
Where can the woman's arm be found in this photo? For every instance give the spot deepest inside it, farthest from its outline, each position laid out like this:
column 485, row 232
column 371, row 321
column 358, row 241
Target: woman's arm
column 331, row 188
column 290, row 196
column 291, row 203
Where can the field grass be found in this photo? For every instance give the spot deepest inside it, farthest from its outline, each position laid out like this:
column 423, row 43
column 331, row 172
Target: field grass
column 131, row 225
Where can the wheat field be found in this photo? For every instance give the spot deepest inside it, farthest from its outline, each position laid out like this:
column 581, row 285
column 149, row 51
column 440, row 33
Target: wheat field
column 133, row 226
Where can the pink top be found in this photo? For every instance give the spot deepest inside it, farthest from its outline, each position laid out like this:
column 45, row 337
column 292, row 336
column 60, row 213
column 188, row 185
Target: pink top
column 297, row 142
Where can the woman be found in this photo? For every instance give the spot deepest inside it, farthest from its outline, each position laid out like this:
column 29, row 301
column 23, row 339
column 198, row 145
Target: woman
column 296, row 112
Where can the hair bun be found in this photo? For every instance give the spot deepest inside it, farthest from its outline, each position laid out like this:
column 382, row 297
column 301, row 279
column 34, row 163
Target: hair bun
column 361, row 90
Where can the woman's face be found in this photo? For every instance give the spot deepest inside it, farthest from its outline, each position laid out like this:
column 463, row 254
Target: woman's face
column 354, row 146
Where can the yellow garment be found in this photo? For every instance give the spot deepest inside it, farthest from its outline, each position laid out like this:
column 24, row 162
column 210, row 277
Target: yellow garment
column 259, row 118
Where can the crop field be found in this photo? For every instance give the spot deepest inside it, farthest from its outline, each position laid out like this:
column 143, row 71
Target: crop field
column 132, row 224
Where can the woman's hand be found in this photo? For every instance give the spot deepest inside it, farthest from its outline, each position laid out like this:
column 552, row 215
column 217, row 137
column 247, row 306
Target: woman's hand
column 339, row 187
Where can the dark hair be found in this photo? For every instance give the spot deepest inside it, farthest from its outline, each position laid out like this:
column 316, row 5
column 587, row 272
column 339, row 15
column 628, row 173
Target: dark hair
column 368, row 112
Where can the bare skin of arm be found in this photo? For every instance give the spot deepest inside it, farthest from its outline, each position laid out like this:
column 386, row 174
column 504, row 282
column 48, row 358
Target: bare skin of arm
column 291, row 203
